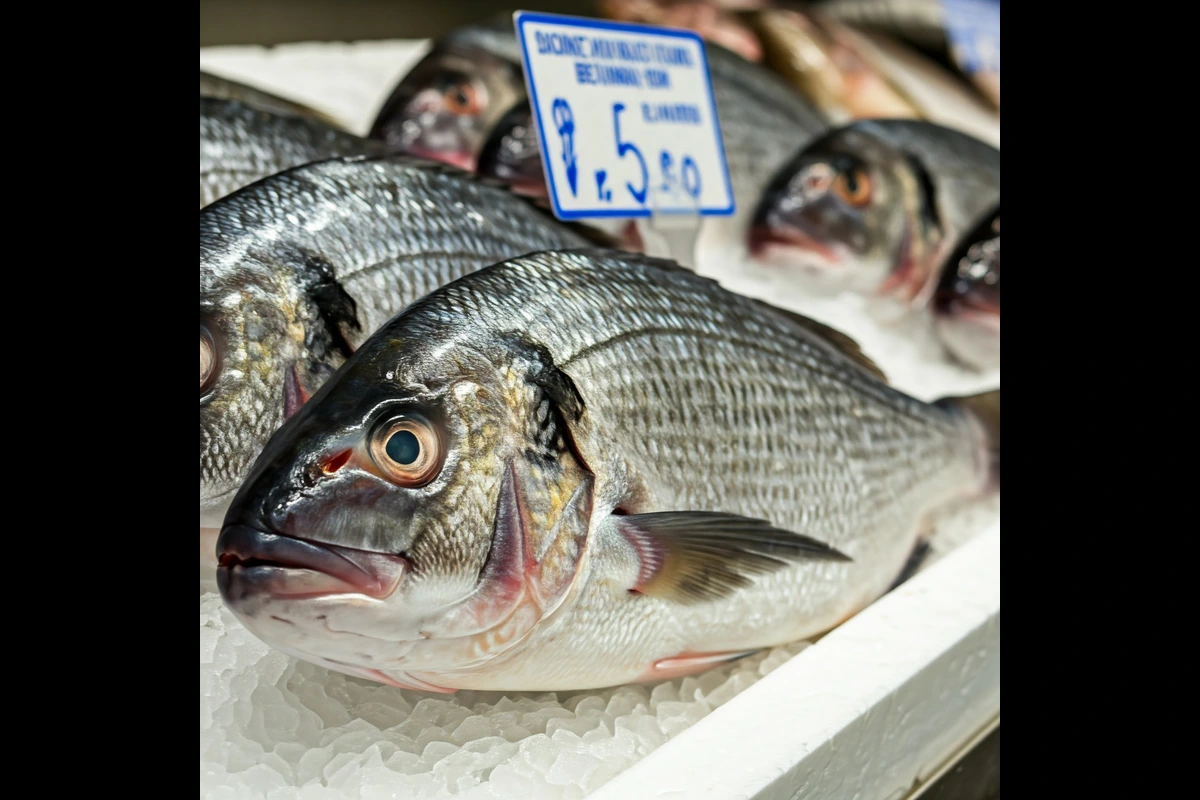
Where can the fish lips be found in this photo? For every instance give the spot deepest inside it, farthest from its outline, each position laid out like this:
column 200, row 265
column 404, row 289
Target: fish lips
column 255, row 562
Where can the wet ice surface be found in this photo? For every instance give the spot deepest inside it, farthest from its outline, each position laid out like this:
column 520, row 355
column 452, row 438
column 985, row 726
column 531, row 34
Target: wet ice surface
column 277, row 728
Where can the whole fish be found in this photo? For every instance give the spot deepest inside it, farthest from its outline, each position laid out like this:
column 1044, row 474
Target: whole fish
column 966, row 305
column 448, row 106
column 226, row 89
column 876, row 205
column 579, row 469
column 240, row 144
column 298, row 269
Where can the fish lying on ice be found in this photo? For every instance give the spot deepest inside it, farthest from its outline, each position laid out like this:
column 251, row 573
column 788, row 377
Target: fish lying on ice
column 580, row 469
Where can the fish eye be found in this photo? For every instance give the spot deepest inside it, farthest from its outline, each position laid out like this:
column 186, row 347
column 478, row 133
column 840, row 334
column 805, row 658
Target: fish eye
column 407, row 450
column 463, row 99
column 208, row 359
column 853, row 186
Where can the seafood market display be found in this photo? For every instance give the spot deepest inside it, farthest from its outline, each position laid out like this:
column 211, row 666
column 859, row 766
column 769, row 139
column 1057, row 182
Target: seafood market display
column 451, row 445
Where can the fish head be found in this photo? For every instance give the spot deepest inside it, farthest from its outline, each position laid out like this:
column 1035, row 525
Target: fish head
column 269, row 332
column 417, row 518
column 837, row 211
column 446, row 106
column 966, row 303
column 512, row 155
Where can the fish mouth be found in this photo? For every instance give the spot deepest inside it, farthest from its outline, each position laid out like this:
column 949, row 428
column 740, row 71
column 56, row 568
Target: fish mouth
column 791, row 245
column 251, row 561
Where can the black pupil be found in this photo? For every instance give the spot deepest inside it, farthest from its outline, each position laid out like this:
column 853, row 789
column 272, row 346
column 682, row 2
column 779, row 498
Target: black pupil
column 460, row 97
column 403, row 448
column 852, row 182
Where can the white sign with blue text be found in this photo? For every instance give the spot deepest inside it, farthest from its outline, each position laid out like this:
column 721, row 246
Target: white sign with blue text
column 626, row 118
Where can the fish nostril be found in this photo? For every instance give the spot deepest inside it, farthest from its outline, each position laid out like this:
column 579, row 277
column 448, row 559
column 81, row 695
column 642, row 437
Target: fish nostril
column 335, row 463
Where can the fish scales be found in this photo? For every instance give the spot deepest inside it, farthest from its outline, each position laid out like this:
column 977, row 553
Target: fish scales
column 728, row 409
column 528, row 558
column 240, row 144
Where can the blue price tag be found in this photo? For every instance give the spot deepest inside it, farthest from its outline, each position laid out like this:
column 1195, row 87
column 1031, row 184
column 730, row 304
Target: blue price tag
column 625, row 117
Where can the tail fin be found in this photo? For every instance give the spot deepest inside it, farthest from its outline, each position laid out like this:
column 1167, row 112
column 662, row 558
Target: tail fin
column 985, row 409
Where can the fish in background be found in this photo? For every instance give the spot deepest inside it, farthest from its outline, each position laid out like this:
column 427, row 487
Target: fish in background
column 240, row 144
column 966, row 305
column 937, row 94
column 581, row 469
column 447, row 105
column 964, row 34
column 296, row 270
column 512, row 156
column 763, row 120
column 717, row 22
column 815, row 57
column 226, row 89
column 875, row 206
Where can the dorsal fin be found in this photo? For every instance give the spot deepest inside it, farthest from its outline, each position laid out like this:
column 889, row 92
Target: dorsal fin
column 836, row 338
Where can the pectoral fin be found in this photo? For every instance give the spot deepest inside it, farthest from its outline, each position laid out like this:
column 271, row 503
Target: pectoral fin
column 695, row 556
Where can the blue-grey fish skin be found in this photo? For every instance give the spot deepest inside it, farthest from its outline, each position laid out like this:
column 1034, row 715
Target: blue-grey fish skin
column 240, row 144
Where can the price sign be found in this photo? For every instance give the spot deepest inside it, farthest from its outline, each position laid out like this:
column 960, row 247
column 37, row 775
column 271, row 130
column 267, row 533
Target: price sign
column 625, row 117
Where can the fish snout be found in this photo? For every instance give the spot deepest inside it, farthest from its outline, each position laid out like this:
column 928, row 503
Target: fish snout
column 253, row 562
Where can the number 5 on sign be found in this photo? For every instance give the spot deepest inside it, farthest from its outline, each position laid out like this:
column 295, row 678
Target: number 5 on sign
column 629, row 106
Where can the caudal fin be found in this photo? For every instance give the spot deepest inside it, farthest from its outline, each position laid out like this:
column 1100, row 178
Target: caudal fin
column 985, row 409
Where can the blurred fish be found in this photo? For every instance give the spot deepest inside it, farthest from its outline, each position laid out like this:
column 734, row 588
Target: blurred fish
column 917, row 21
column 763, row 120
column 225, row 89
column 827, row 70
column 962, row 33
column 298, row 269
column 967, row 302
column 512, row 155
column 240, row 144
column 446, row 107
column 580, row 469
column 713, row 21
column 875, row 206
column 936, row 94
